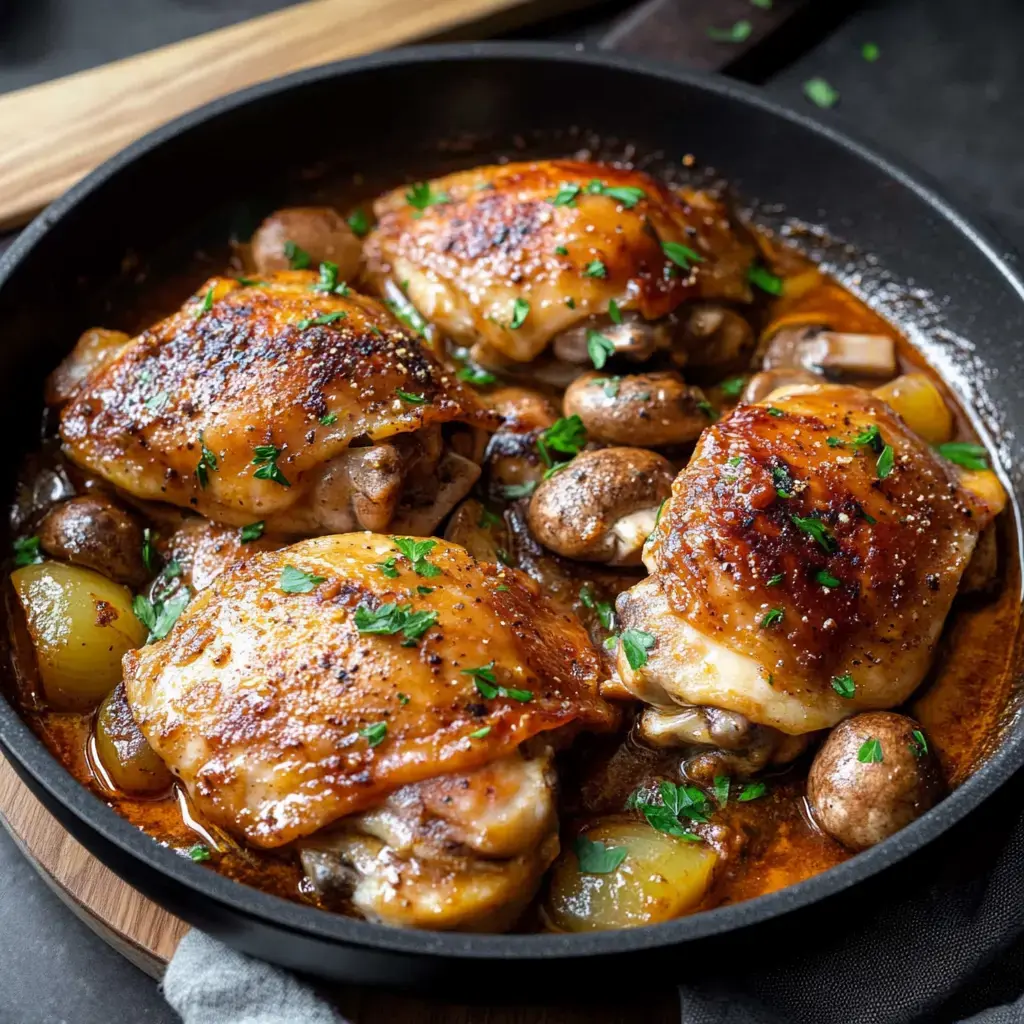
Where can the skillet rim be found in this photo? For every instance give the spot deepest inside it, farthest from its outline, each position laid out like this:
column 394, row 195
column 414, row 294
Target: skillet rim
column 29, row 755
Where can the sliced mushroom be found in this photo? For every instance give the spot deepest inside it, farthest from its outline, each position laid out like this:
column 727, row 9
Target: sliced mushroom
column 319, row 232
column 633, row 338
column 95, row 348
column 648, row 409
column 484, row 535
column 602, row 507
column 455, row 477
column 95, row 532
column 762, row 384
column 831, row 353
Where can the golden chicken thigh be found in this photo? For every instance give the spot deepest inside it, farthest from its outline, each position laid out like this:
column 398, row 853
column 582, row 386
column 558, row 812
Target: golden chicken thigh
column 804, row 566
column 279, row 402
column 370, row 697
column 509, row 257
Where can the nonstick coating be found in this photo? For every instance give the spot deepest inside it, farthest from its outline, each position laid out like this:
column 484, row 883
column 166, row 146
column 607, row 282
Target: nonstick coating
column 397, row 106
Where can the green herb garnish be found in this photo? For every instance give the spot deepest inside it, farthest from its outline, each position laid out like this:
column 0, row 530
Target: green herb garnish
column 595, row 268
column 739, row 32
column 487, row 684
column 412, row 397
column 421, row 195
column 597, row 859
column 295, row 581
column 764, row 279
column 599, row 348
column 844, row 686
column 265, row 458
column 207, row 463
column 681, row 255
column 870, row 751
column 635, row 644
column 198, row 853
column 918, row 744
column 565, row 196
column 251, row 532
column 389, row 619
column 416, row 551
column 321, row 320
column 820, row 93
column 375, row 734
column 826, row 579
column 520, row 310
column 732, row 387
column 26, row 551
column 970, row 456
column 751, row 791
column 772, row 616
column 358, row 222
column 815, row 528
column 297, row 257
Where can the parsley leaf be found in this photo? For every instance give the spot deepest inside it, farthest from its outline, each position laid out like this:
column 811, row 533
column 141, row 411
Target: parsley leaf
column 764, row 279
column 970, row 456
column 751, row 791
column 567, row 435
column 322, row 320
column 599, row 348
column 597, row 859
column 328, row 419
column 732, row 387
column 708, row 409
column 603, row 609
column 421, row 195
column 595, row 268
column 821, row 93
column 815, row 528
column 783, row 481
column 722, row 789
column 375, row 734
column 358, row 222
column 776, row 580
column 736, row 33
column 26, row 551
column 681, row 255
column 295, row 581
column 628, row 195
column 918, row 744
column 207, row 463
column 416, row 551
column 198, row 853
column 520, row 311
column 298, row 258
column 265, row 457
column 160, row 616
column 148, row 552
column 565, row 196
column 487, row 684
column 387, row 567
column 412, row 397
column 207, row 303
column 844, row 686
column 474, row 375
column 251, row 532
column 614, row 313
column 157, row 402
column 635, row 644
column 772, row 616
column 885, row 463
column 479, row 734
column 870, row 751
column 826, row 579
column 870, row 52
column 389, row 619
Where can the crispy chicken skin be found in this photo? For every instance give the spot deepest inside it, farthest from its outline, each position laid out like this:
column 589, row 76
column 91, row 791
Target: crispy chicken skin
column 795, row 578
column 493, row 235
column 271, row 364
column 280, row 716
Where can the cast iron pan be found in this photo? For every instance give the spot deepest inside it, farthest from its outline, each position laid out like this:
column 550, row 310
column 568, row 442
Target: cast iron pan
column 925, row 263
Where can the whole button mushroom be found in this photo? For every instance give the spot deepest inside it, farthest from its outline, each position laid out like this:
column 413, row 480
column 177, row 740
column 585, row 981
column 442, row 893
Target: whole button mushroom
column 874, row 775
column 305, row 236
column 648, row 409
column 602, row 507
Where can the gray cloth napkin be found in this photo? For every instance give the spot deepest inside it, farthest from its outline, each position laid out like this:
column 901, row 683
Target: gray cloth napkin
column 209, row 983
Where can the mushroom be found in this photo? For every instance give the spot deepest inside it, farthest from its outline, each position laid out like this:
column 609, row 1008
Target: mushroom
column 873, row 776
column 305, row 236
column 602, row 507
column 95, row 532
column 632, row 336
column 713, row 334
column 95, row 348
column 762, row 384
column 648, row 409
column 831, row 353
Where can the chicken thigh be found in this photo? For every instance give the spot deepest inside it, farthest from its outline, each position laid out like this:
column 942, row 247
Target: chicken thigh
column 279, row 402
column 803, row 568
column 369, row 698
column 511, row 258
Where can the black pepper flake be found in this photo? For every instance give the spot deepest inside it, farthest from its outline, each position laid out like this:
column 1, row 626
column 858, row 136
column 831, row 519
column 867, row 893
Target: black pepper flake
column 932, row 581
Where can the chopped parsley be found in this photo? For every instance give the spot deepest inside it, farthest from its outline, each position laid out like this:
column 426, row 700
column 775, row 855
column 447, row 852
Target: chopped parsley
column 160, row 616
column 251, row 532
column 821, row 93
column 844, row 686
column 676, row 802
column 681, row 255
column 870, row 751
column 26, row 551
column 407, row 313
column 782, row 481
column 721, row 789
column 560, row 250
column 265, row 458
column 708, row 409
column 474, row 375
column 403, row 698
column 918, row 744
column 375, row 734
column 609, row 384
column 815, row 528
column 599, row 348
column 751, row 791
column 732, row 387
column 885, row 463
column 520, row 311
column 328, row 419
column 421, row 195
column 329, row 282
column 566, row 435
column 295, row 581
column 423, row 591
column 565, row 196
column 198, row 853
column 358, row 222
column 774, row 410
column 628, row 195
column 597, row 859
column 148, row 552
column 388, row 568
column 297, row 257
column 738, row 32
column 488, row 518
column 614, row 313
column 635, row 644
column 970, row 456
column 389, row 619
column 772, row 616
column 479, row 734
column 774, row 581
column 826, row 579
column 416, row 551
column 412, row 397
column 207, row 463
column 321, row 320
column 602, row 609
column 870, row 52
column 595, row 268
column 764, row 279
column 207, row 304
column 869, row 437
column 487, row 684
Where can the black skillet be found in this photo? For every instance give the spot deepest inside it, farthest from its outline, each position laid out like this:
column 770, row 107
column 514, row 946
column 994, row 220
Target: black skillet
column 927, row 266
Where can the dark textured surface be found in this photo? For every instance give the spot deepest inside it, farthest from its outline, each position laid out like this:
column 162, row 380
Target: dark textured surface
column 946, row 93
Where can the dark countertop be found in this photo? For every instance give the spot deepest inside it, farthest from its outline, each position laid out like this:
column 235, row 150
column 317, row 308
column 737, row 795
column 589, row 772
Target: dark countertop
column 946, row 94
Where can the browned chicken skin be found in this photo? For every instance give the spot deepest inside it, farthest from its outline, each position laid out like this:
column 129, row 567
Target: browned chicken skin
column 804, row 566
column 565, row 236
column 278, row 402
